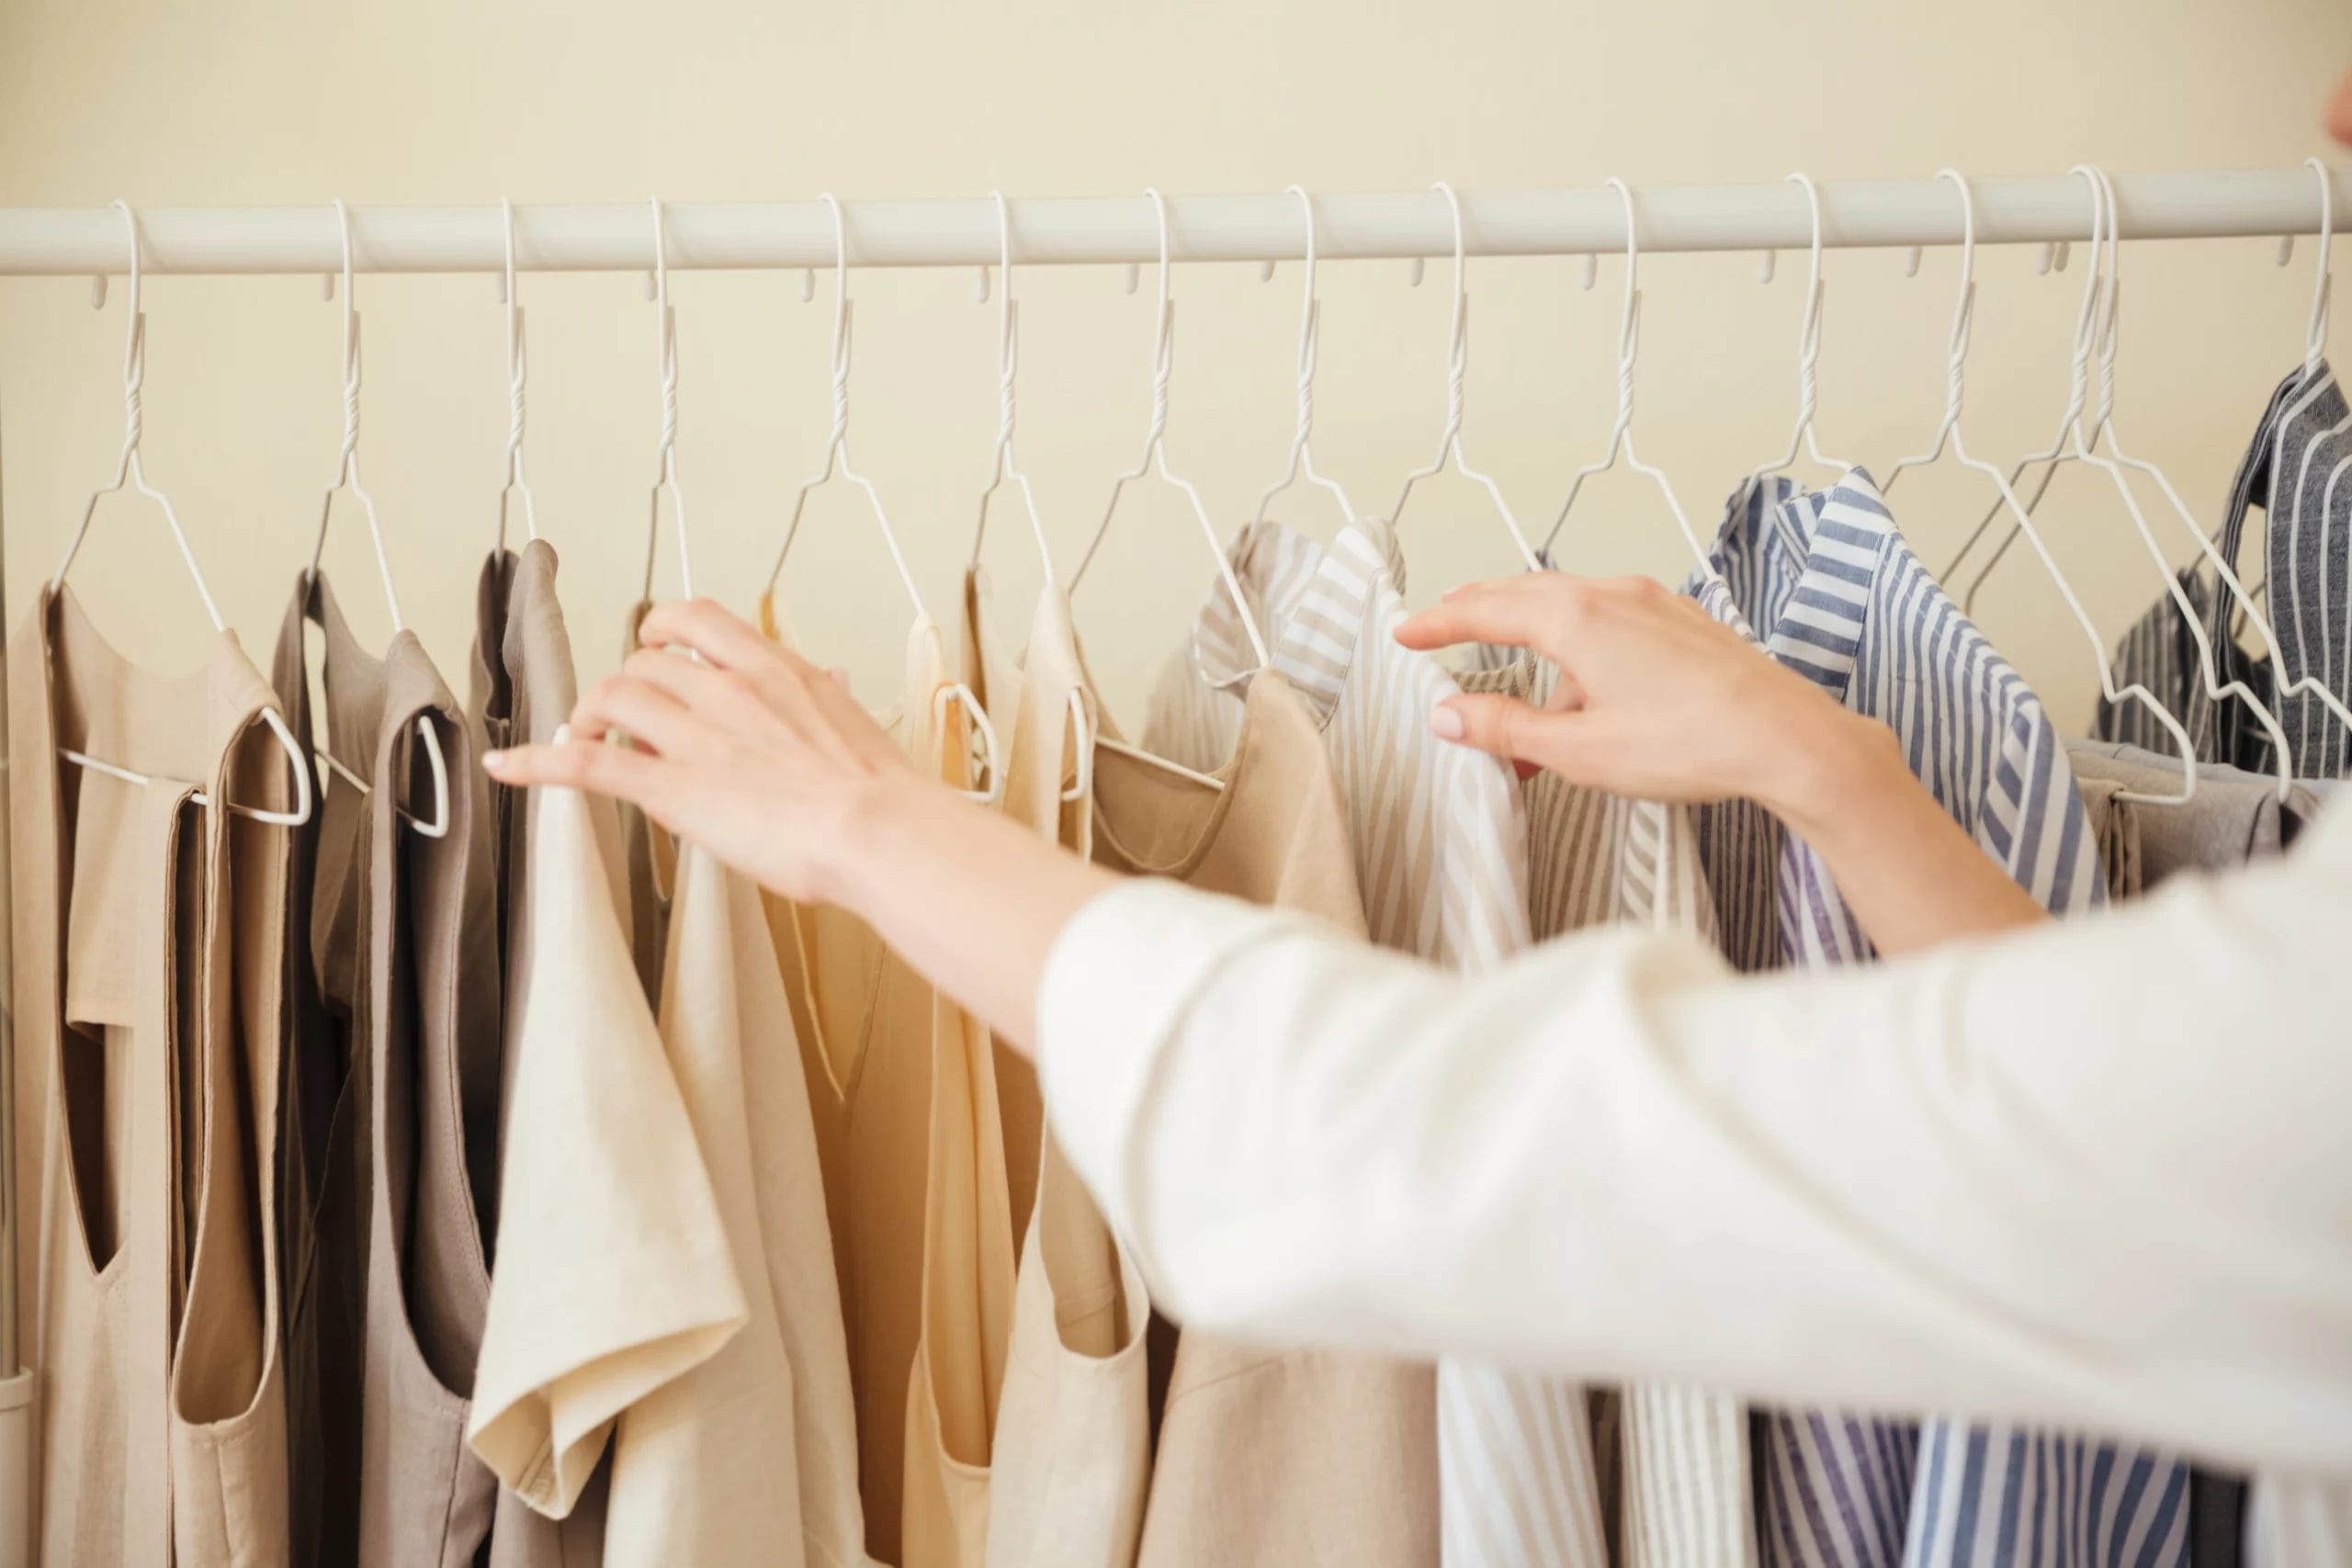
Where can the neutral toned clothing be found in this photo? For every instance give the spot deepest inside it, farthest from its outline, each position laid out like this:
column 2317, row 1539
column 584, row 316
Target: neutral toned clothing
column 1841, row 599
column 753, row 1447
column 909, row 1135
column 1673, row 1461
column 1267, row 1456
column 1072, row 1452
column 2233, row 817
column 1441, row 847
column 399, row 985
column 147, row 1004
column 18, row 1437
column 650, row 855
column 2115, row 830
column 1798, row 1137
column 591, row 1307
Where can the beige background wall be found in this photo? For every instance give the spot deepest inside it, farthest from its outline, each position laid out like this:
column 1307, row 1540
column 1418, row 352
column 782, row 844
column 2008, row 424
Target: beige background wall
column 285, row 101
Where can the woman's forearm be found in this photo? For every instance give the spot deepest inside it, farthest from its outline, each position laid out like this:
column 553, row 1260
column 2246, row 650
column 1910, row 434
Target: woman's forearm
column 968, row 897
column 1911, row 875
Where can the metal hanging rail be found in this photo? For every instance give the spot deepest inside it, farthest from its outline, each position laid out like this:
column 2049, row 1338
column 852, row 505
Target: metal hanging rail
column 615, row 237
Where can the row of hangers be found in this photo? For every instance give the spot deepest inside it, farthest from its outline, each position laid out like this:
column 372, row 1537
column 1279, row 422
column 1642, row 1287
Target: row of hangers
column 2096, row 445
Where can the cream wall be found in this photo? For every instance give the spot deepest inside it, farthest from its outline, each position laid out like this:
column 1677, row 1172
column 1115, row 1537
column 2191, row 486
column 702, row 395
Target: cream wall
column 275, row 101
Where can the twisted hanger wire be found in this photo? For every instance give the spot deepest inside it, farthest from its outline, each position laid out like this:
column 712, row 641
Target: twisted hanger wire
column 1302, row 456
column 1155, row 454
column 130, row 469
column 2322, row 287
column 1457, row 367
column 1801, row 438
column 837, row 458
column 347, row 460
column 1949, row 436
column 518, row 368
column 1005, row 468
column 1621, row 438
column 665, row 348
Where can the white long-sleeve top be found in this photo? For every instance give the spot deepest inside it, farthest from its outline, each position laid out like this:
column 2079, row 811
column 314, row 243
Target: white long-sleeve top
column 2097, row 1175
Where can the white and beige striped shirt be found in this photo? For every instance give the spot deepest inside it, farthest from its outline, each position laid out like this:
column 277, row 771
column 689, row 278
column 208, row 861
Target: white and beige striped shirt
column 1441, row 845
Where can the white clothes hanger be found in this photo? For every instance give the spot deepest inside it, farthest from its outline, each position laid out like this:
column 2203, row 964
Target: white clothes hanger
column 1457, row 368
column 1948, row 434
column 1801, row 438
column 516, row 367
column 837, row 461
column 1621, row 439
column 1155, row 459
column 1008, row 357
column 1302, row 456
column 347, row 478
column 2107, row 280
column 837, row 458
column 665, row 332
column 131, row 473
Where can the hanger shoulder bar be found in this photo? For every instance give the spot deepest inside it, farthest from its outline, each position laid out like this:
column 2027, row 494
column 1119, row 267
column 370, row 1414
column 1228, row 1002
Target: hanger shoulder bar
column 79, row 242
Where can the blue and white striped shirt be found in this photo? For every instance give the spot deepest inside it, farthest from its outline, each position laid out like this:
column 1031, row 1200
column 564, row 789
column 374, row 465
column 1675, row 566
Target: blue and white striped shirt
column 1840, row 596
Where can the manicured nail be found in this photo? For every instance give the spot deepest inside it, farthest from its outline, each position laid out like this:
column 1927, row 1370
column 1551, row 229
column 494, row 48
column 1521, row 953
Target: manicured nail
column 493, row 762
column 1446, row 723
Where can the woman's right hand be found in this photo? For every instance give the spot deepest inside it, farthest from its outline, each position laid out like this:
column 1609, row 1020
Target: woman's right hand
column 1659, row 700
column 1656, row 699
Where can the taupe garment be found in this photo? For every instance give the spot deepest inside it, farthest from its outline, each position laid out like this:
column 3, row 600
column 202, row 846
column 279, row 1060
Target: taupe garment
column 2233, row 817
column 402, row 945
column 524, row 687
column 902, row 1091
column 147, row 1000
column 1264, row 1455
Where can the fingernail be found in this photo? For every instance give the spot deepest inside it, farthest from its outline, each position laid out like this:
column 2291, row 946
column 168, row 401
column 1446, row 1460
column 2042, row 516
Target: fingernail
column 493, row 761
column 1446, row 723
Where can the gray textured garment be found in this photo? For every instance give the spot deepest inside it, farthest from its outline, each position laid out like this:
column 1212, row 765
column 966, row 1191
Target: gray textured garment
column 2233, row 817
column 2294, row 470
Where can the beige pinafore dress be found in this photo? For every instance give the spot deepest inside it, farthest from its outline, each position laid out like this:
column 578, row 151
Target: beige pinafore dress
column 902, row 1086
column 148, row 997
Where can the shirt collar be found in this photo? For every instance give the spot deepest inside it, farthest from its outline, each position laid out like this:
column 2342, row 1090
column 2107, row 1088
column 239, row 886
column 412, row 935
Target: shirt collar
column 1308, row 601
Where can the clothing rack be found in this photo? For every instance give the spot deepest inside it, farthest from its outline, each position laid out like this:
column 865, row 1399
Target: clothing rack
column 1266, row 229
column 65, row 242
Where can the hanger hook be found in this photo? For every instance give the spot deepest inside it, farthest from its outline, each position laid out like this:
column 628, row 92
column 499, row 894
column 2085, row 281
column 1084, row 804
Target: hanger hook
column 1809, row 334
column 134, row 340
column 350, row 371
column 1163, row 345
column 665, row 328
column 1309, row 309
column 1457, row 347
column 1629, row 336
column 518, row 368
column 1007, row 354
column 1963, row 314
column 2315, row 336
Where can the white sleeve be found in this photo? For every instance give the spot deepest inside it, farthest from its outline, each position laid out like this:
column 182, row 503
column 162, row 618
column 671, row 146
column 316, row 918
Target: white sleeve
column 2094, row 1175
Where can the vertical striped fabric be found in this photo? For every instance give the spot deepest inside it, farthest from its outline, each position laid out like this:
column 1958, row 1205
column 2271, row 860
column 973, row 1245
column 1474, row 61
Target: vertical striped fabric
column 1841, row 598
column 2299, row 470
column 1441, row 847
column 1673, row 1461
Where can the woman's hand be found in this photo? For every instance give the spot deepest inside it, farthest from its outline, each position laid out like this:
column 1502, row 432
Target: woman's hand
column 1659, row 700
column 752, row 753
column 767, row 762
column 1656, row 699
